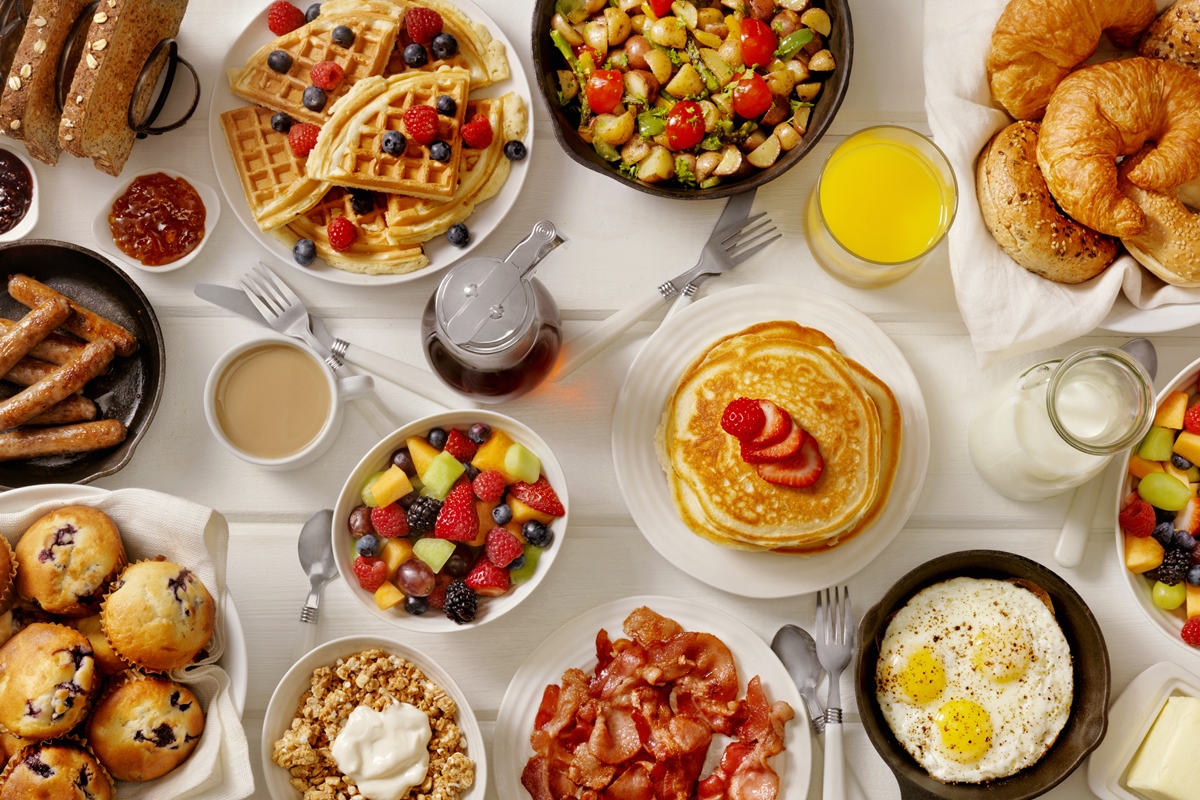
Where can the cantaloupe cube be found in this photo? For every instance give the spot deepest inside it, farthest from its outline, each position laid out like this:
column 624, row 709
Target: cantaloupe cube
column 388, row 595
column 1170, row 412
column 1175, row 472
column 390, row 486
column 490, row 454
column 422, row 452
column 1193, row 601
column 523, row 513
column 484, row 509
column 1187, row 444
column 1142, row 554
column 394, row 553
column 1140, row 467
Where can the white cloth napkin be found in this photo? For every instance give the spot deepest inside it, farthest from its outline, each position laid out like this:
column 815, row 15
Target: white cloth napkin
column 151, row 524
column 1008, row 310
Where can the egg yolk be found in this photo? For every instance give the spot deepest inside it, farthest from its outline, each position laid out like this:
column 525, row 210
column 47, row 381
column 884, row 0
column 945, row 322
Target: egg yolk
column 966, row 729
column 923, row 678
column 1002, row 654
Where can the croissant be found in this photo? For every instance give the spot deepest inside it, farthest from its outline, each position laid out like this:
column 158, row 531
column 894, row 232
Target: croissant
column 1036, row 43
column 1109, row 110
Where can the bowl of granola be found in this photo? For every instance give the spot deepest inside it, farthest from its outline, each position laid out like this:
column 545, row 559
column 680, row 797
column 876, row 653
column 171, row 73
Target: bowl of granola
column 352, row 696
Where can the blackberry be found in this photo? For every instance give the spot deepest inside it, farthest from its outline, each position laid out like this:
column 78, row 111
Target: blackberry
column 461, row 603
column 422, row 514
column 1174, row 566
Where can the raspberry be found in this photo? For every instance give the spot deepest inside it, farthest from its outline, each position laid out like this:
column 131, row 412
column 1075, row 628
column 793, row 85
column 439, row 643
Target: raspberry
column 459, row 446
column 302, row 138
column 390, row 521
column 371, row 572
column 1191, row 632
column 283, row 17
column 1137, row 518
column 477, row 134
column 1191, row 420
column 342, row 234
column 488, row 485
column 421, row 122
column 327, row 75
column 501, row 547
column 743, row 418
column 422, row 24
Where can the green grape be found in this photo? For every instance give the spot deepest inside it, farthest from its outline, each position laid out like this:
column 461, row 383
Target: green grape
column 1163, row 491
column 368, row 497
column 1167, row 597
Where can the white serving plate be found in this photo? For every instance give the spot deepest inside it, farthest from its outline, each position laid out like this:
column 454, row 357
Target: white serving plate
column 654, row 376
column 486, row 218
column 1125, row 317
column 574, row 645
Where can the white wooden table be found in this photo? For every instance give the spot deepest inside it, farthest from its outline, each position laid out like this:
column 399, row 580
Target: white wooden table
column 618, row 239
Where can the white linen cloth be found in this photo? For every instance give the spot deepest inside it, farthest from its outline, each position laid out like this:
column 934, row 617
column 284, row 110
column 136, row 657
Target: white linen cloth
column 151, row 524
column 1007, row 309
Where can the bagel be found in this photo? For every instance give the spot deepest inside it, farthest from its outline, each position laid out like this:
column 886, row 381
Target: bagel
column 1109, row 110
column 1169, row 246
column 1175, row 35
column 1019, row 211
column 1036, row 44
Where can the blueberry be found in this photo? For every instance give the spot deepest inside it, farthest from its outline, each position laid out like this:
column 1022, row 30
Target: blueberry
column 362, row 201
column 502, row 514
column 416, row 605
column 368, row 545
column 304, row 252
column 342, row 36
column 279, row 61
column 314, row 98
column 472, row 472
column 458, row 235
column 1180, row 462
column 437, row 437
column 479, row 433
column 537, row 534
column 514, row 150
column 415, row 55
column 517, row 562
column 444, row 45
column 313, row 12
column 1184, row 541
column 446, row 105
column 1193, row 575
column 403, row 459
column 394, row 143
column 439, row 151
column 1164, row 532
column 1161, row 515
column 281, row 122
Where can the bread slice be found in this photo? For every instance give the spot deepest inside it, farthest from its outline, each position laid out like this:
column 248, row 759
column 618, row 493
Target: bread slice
column 122, row 35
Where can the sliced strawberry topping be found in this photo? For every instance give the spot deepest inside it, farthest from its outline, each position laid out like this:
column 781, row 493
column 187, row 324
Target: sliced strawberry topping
column 776, row 452
column 776, row 428
column 1188, row 518
column 801, row 470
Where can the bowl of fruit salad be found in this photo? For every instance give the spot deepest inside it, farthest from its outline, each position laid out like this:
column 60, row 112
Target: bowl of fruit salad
column 451, row 521
column 692, row 99
column 1158, row 513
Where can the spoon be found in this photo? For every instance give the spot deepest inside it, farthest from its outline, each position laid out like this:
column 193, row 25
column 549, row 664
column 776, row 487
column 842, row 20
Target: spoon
column 316, row 557
column 1074, row 536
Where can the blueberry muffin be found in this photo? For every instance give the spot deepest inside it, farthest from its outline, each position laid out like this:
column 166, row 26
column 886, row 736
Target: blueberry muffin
column 144, row 726
column 53, row 770
column 67, row 559
column 158, row 615
column 48, row 678
column 8, row 576
column 107, row 661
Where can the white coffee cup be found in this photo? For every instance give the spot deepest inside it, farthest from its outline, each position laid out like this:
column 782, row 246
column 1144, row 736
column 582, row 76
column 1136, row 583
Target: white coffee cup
column 339, row 390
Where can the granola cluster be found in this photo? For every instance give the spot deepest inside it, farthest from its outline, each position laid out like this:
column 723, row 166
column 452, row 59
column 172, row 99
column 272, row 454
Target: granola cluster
column 374, row 679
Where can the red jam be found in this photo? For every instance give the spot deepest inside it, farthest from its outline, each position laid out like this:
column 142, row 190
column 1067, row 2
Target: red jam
column 158, row 220
column 16, row 191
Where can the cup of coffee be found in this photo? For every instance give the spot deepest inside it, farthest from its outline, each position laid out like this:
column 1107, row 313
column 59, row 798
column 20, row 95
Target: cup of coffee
column 273, row 403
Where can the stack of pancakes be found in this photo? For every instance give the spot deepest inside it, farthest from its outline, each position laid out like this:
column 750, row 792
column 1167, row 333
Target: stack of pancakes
column 851, row 413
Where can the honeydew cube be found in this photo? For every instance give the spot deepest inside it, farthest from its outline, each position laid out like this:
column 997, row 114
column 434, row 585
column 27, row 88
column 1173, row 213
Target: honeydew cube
column 368, row 496
column 1142, row 553
column 522, row 464
column 422, row 452
column 1141, row 467
column 390, row 486
column 388, row 595
column 1193, row 601
column 523, row 513
column 439, row 478
column 394, row 553
column 1170, row 413
column 490, row 454
column 434, row 552
column 1187, row 444
column 1156, row 445
column 526, row 571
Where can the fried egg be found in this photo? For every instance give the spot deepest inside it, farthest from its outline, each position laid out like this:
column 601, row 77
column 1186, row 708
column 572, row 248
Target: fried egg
column 974, row 679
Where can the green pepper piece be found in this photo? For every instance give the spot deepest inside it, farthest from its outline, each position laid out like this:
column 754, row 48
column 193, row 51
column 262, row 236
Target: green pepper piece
column 683, row 172
column 605, row 150
column 573, row 10
column 793, row 43
column 650, row 124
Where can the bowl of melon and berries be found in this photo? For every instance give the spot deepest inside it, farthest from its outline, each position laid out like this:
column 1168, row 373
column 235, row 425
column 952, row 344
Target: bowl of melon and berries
column 450, row 521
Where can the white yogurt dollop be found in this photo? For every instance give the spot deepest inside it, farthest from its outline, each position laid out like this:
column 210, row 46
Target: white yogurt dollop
column 384, row 752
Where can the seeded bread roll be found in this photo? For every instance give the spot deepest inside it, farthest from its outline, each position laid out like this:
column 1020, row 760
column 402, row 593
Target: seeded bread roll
column 67, row 559
column 144, row 726
column 47, row 680
column 1175, row 35
column 52, row 770
column 158, row 616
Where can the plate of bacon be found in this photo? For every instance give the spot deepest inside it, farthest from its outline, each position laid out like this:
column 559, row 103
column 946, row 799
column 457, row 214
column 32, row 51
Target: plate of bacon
column 688, row 703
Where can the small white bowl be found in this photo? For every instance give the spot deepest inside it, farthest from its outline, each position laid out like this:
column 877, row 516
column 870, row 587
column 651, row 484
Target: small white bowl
column 102, row 233
column 490, row 608
column 25, row 226
column 286, row 698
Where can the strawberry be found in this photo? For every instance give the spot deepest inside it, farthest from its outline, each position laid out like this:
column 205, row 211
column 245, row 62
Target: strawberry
column 1191, row 632
column 501, row 547
column 302, row 138
column 775, row 429
column 437, row 598
column 283, row 17
column 1191, row 419
column 801, row 470
column 743, row 418
column 422, row 24
column 459, row 446
column 342, row 234
column 1137, row 517
column 421, row 122
column 477, row 134
column 327, row 75
column 389, row 521
column 776, row 452
column 1188, row 519
column 488, row 485
column 488, row 579
column 538, row 496
column 371, row 572
column 458, row 520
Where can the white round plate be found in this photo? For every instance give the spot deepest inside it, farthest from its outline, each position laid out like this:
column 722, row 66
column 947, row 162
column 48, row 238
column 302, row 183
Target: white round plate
column 234, row 661
column 574, row 645
column 1125, row 317
column 486, row 218
column 654, row 376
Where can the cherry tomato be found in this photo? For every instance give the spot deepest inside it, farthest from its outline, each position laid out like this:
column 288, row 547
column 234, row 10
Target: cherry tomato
column 605, row 88
column 751, row 96
column 579, row 50
column 660, row 7
column 685, row 125
column 758, row 42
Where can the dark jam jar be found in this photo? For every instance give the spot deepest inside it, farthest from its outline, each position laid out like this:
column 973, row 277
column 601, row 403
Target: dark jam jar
column 16, row 191
column 158, row 220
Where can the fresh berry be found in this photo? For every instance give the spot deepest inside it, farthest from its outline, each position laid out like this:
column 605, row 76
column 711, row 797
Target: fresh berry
column 517, row 563
column 421, row 122
column 302, row 138
column 313, row 12
column 459, row 446
column 446, row 106
column 1191, row 419
column 437, row 598
column 279, row 61
column 488, row 579
column 1137, row 518
column 1162, row 515
column 458, row 520
column 1164, row 534
column 423, row 514
column 458, row 235
column 281, row 122
column 422, row 24
column 342, row 36
column 479, row 433
column 314, row 98
column 327, row 75
column 781, row 451
column 502, row 514
column 415, row 56
column 514, row 150
column 444, row 46
column 1191, row 632
column 477, row 134
column 416, row 605
column 489, row 486
column 440, row 151
column 501, row 547
column 1193, row 575
column 1174, row 567
column 472, row 472
column 460, row 603
column 801, row 470
column 743, row 418
column 367, row 545
column 437, row 437
column 537, row 534
column 371, row 572
column 342, row 234
column 1180, row 462
column 539, row 496
column 460, row 562
column 283, row 17
column 776, row 428
column 1184, row 541
column 389, row 521
column 304, row 251
column 362, row 201
column 394, row 143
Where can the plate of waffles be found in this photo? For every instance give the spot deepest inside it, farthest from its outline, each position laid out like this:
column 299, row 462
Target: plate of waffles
column 824, row 482
column 401, row 202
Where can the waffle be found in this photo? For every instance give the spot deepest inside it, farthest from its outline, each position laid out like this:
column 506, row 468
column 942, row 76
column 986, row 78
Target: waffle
column 275, row 182
column 349, row 150
column 478, row 52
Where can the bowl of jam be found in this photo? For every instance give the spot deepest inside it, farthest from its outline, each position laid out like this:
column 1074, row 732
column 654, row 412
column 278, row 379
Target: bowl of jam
column 18, row 196
column 158, row 220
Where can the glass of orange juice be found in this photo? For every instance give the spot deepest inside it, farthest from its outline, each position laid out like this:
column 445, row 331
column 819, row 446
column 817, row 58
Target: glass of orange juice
column 884, row 200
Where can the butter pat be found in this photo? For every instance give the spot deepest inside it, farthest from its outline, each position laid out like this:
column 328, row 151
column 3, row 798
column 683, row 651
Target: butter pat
column 1165, row 766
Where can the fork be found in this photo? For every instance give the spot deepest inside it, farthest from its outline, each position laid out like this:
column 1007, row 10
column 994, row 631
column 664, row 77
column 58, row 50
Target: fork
column 688, row 292
column 835, row 646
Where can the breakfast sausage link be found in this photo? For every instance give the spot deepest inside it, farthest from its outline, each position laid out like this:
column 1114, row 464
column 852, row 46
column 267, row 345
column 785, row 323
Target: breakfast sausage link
column 80, row 438
column 18, row 340
column 84, row 323
column 75, row 408
column 61, row 384
column 55, row 348
column 29, row 371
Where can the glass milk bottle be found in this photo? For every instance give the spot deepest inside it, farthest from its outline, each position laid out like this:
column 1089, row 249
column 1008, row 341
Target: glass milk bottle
column 1058, row 424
